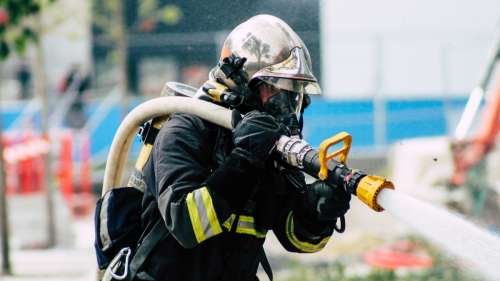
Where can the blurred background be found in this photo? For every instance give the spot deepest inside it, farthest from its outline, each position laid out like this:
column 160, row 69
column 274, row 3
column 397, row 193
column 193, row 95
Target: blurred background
column 396, row 75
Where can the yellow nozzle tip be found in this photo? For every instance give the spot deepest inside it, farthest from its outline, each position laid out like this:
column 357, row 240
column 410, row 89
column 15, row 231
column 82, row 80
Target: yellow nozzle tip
column 368, row 189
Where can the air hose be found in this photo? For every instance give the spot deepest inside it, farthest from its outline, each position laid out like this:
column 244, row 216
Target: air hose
column 163, row 106
column 329, row 167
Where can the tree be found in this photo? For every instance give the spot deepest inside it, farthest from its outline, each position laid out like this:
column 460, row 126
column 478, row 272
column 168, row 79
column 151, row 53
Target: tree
column 17, row 21
column 113, row 21
column 15, row 29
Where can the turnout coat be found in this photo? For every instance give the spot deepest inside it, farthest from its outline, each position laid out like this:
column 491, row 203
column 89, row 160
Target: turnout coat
column 212, row 234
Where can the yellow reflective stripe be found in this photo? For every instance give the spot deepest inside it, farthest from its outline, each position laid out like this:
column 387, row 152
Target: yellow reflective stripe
column 195, row 218
column 251, row 231
column 202, row 214
column 247, row 219
column 229, row 222
column 246, row 225
column 211, row 214
column 301, row 245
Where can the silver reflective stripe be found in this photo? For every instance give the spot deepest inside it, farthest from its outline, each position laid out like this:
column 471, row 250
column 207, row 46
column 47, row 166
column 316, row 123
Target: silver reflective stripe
column 247, row 225
column 202, row 211
column 103, row 227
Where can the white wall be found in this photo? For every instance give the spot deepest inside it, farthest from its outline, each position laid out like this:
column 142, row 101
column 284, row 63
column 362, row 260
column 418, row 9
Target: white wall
column 414, row 48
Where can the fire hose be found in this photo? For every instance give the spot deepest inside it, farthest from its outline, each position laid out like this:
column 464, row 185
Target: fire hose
column 318, row 163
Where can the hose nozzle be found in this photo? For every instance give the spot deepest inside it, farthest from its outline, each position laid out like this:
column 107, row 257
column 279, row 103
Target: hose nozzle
column 368, row 189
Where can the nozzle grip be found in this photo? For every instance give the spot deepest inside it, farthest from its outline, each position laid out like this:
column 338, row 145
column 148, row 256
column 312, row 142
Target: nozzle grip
column 299, row 154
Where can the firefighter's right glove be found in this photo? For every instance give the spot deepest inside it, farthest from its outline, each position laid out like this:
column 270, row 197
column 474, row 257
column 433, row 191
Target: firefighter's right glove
column 255, row 136
column 326, row 203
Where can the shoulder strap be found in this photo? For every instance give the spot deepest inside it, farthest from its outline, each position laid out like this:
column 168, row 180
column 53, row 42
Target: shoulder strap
column 265, row 263
column 157, row 233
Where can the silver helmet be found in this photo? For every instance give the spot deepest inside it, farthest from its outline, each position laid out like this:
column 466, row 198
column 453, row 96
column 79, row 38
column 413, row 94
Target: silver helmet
column 274, row 54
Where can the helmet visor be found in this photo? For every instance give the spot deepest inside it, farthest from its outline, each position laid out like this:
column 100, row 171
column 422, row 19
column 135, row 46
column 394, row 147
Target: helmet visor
column 281, row 102
column 293, row 85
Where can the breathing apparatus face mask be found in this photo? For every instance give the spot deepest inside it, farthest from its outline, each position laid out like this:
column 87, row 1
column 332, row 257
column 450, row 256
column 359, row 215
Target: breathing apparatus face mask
column 284, row 103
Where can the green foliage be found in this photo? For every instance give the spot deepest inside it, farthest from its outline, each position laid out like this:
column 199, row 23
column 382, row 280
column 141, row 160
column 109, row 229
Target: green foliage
column 152, row 10
column 104, row 14
column 16, row 30
column 337, row 272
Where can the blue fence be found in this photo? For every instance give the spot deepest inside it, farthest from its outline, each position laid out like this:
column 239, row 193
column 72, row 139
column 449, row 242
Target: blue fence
column 404, row 118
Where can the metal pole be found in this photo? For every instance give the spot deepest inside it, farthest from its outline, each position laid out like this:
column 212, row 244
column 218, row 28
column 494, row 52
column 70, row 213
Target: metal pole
column 41, row 92
column 4, row 218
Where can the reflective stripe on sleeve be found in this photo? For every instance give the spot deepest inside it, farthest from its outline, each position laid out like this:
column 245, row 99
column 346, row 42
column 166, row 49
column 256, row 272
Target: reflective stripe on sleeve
column 302, row 245
column 229, row 222
column 202, row 214
column 246, row 225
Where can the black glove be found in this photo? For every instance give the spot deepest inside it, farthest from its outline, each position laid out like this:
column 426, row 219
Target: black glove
column 255, row 136
column 324, row 202
column 234, row 180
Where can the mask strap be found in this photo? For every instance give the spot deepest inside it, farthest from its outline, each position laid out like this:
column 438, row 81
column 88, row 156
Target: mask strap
column 301, row 123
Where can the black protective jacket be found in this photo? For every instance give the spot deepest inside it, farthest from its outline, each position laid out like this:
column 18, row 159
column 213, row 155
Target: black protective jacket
column 209, row 238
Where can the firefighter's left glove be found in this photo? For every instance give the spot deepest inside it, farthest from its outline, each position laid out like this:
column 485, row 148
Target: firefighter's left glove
column 255, row 137
column 324, row 202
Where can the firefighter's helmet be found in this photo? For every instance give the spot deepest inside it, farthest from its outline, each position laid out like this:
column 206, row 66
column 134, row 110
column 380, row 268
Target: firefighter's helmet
column 274, row 54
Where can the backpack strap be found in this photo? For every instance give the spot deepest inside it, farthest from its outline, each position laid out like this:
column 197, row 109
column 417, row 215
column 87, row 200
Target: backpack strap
column 157, row 233
column 264, row 262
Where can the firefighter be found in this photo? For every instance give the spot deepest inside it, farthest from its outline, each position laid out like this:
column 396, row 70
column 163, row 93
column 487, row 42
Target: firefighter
column 220, row 192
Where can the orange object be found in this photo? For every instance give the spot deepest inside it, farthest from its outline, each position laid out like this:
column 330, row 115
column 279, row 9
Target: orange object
column 85, row 174
column 24, row 163
column 26, row 168
column 37, row 169
column 402, row 254
column 66, row 166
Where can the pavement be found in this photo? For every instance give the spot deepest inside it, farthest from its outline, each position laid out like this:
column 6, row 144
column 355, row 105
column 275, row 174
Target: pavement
column 72, row 259
column 58, row 264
